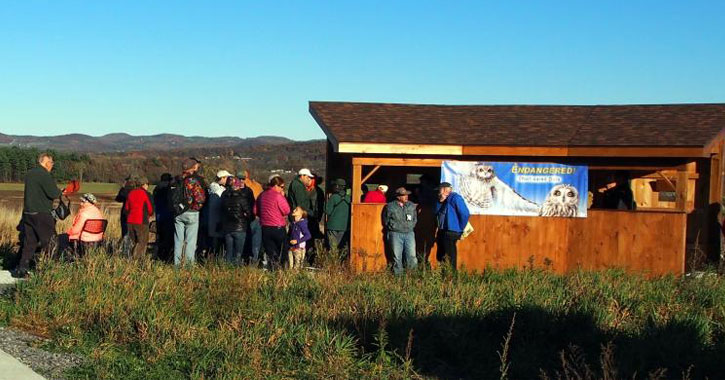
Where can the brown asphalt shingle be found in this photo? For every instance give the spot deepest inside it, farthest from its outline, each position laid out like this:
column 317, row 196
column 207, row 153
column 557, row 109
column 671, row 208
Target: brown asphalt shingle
column 524, row 125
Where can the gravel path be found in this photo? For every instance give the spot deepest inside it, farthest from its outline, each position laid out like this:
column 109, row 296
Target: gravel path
column 24, row 347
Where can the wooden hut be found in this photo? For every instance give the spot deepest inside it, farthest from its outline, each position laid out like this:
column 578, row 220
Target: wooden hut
column 672, row 152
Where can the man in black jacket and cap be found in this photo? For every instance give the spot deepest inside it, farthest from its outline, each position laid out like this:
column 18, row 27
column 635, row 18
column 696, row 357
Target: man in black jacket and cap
column 37, row 221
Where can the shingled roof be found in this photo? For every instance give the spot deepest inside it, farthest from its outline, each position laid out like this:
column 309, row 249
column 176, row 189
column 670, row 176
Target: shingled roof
column 667, row 125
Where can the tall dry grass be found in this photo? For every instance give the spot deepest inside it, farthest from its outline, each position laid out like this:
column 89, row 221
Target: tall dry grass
column 10, row 218
column 142, row 319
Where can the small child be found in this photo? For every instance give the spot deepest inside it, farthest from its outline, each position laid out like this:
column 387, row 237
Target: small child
column 299, row 235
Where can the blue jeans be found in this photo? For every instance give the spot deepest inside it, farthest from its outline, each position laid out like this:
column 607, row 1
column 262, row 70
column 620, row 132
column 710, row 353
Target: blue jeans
column 402, row 243
column 255, row 229
column 235, row 246
column 186, row 230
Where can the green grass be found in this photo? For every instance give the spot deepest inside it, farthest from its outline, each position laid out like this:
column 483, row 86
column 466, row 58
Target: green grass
column 145, row 320
column 86, row 187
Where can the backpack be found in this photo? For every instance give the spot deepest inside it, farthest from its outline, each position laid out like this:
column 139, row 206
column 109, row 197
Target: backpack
column 178, row 197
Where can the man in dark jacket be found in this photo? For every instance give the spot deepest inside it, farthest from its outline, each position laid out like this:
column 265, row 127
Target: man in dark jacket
column 164, row 219
column 38, row 222
column 128, row 185
column 337, row 210
column 236, row 213
column 297, row 193
column 399, row 219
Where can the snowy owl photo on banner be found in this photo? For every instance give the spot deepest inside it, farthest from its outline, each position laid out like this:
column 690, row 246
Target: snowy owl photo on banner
column 520, row 188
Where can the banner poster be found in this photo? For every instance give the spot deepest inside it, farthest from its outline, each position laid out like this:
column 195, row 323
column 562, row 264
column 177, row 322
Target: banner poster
column 519, row 188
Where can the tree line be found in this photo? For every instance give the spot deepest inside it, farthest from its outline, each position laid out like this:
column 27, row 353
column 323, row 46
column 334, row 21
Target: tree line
column 15, row 163
column 114, row 167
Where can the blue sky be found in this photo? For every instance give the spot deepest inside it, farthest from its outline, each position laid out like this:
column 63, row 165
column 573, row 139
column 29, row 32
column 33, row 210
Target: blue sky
column 249, row 68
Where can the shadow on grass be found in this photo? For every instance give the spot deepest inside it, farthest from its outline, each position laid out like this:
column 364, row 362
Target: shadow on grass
column 468, row 347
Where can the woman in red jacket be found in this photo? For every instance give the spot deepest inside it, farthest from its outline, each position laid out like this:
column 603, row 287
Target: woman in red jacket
column 139, row 209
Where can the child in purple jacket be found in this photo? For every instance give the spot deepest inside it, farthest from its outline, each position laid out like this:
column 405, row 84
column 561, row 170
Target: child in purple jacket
column 299, row 235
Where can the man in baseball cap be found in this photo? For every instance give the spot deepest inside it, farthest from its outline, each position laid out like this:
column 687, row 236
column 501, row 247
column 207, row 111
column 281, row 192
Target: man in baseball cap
column 452, row 216
column 399, row 219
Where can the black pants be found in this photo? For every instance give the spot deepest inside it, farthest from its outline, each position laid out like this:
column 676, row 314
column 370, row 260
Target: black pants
column 273, row 241
column 38, row 229
column 447, row 250
column 165, row 240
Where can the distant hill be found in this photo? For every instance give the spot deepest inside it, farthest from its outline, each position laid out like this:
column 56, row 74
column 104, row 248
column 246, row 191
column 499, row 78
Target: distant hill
column 122, row 142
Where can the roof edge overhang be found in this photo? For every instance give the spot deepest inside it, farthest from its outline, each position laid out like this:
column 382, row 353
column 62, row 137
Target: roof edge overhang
column 544, row 151
column 330, row 136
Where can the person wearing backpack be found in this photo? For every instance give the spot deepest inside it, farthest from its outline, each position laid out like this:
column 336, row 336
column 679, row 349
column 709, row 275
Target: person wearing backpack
column 187, row 196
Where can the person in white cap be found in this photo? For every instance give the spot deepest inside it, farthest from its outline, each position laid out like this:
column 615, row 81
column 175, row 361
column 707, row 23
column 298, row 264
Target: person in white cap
column 377, row 195
column 214, row 205
column 298, row 194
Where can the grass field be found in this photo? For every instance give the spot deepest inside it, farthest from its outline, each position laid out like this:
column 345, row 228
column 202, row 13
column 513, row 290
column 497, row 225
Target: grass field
column 146, row 320
column 90, row 187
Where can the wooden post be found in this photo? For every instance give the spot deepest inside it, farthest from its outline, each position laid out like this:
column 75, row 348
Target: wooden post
column 716, row 168
column 356, row 195
column 681, row 200
column 356, row 183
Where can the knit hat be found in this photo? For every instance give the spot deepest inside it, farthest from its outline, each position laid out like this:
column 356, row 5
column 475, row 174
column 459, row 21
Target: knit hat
column 89, row 198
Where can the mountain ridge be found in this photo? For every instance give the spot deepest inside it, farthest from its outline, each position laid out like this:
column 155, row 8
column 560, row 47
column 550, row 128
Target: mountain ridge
column 124, row 142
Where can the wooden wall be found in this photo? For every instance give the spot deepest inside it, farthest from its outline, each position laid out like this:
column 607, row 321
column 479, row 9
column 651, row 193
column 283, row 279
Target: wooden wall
column 648, row 242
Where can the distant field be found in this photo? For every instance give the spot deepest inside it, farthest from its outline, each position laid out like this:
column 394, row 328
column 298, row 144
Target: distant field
column 90, row 187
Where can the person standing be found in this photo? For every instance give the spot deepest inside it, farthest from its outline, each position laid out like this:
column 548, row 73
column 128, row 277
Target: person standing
column 299, row 235
column 452, row 216
column 273, row 210
column 377, row 195
column 298, row 192
column 253, row 243
column 236, row 212
column 317, row 198
column 399, row 219
column 128, row 184
column 164, row 219
column 214, row 210
column 187, row 197
column 37, row 221
column 139, row 210
column 337, row 210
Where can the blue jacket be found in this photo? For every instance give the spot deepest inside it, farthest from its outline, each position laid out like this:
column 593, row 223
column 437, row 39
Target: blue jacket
column 452, row 214
column 300, row 232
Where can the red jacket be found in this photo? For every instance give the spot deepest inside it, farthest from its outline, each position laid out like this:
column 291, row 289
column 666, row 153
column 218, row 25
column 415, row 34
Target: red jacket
column 375, row 196
column 138, row 206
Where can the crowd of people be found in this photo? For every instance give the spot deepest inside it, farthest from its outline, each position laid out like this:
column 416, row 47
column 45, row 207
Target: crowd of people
column 237, row 218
